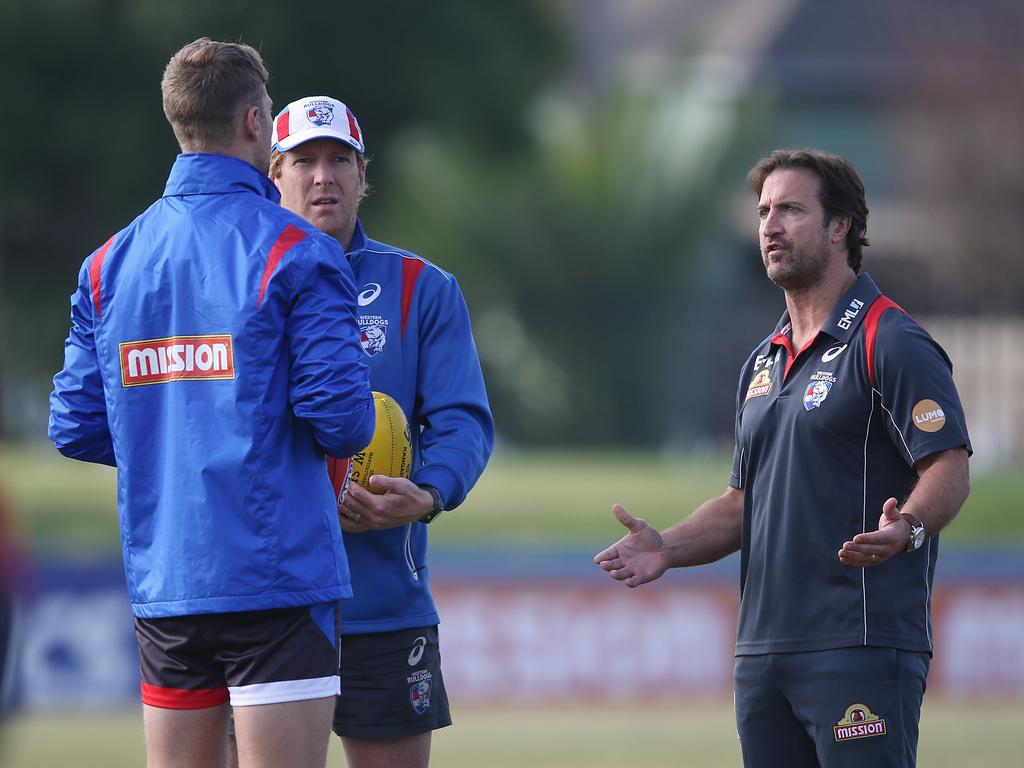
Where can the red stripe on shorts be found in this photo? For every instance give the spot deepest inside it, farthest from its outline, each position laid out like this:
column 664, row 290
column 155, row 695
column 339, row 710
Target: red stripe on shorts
column 178, row 698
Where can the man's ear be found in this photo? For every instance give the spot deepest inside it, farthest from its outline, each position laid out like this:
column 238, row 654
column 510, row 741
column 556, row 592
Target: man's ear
column 251, row 123
column 840, row 228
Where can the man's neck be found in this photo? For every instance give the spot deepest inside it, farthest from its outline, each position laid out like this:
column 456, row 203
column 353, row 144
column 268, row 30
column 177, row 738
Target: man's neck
column 246, row 152
column 345, row 237
column 810, row 307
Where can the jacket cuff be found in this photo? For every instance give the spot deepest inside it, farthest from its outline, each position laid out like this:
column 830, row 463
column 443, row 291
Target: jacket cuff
column 441, row 479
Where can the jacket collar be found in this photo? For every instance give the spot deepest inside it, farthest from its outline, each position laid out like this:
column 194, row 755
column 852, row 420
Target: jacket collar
column 202, row 174
column 359, row 241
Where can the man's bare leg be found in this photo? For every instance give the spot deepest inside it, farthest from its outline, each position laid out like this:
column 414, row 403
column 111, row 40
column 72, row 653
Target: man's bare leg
column 185, row 738
column 232, row 761
column 293, row 734
column 404, row 752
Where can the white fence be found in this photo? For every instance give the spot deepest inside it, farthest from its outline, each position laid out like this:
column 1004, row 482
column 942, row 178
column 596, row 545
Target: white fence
column 988, row 366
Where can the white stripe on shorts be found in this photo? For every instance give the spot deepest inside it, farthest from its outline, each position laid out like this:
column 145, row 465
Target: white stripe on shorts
column 285, row 690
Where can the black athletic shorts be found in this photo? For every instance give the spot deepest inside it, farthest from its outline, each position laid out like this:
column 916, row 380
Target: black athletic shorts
column 391, row 685
column 247, row 658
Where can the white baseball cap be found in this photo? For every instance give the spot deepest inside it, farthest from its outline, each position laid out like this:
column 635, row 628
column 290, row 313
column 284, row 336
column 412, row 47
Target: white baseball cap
column 316, row 117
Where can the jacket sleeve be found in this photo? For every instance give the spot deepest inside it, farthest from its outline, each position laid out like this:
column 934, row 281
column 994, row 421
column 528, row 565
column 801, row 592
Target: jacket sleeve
column 78, row 411
column 330, row 388
column 451, row 402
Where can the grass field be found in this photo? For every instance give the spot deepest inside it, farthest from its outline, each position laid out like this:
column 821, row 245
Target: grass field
column 596, row 737
column 531, row 498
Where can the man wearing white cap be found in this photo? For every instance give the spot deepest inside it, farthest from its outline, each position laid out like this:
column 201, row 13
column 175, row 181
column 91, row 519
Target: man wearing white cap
column 418, row 343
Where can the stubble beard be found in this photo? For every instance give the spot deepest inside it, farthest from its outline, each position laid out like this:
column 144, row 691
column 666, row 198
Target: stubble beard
column 801, row 269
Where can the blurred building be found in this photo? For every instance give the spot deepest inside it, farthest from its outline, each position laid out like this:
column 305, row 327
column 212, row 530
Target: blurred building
column 923, row 96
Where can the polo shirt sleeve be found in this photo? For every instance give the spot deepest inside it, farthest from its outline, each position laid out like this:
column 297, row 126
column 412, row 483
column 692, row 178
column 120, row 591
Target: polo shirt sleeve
column 914, row 379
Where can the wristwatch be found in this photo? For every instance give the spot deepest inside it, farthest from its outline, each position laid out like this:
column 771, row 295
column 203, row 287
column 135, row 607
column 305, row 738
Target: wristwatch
column 438, row 507
column 916, row 538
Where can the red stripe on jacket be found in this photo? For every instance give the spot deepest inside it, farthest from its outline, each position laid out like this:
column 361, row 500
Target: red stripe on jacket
column 411, row 269
column 95, row 269
column 178, row 698
column 282, row 245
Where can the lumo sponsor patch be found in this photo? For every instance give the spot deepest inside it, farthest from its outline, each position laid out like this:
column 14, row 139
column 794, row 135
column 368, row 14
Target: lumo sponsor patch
column 928, row 416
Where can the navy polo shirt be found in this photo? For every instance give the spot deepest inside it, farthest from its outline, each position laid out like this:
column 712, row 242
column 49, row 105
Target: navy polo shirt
column 824, row 435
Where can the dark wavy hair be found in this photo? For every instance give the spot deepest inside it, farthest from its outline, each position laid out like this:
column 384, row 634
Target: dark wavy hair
column 840, row 191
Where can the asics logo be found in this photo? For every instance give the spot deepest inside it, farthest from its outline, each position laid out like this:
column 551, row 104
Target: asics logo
column 368, row 294
column 418, row 646
column 833, row 353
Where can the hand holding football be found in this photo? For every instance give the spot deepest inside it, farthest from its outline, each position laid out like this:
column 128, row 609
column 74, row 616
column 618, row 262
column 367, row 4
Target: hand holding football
column 389, row 452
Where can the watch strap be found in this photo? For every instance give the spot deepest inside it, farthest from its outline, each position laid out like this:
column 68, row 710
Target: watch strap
column 917, row 531
column 438, row 507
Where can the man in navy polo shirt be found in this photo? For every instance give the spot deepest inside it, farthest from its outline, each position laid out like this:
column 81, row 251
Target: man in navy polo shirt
column 847, row 411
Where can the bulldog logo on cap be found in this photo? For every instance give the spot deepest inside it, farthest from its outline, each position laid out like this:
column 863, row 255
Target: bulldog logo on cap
column 320, row 113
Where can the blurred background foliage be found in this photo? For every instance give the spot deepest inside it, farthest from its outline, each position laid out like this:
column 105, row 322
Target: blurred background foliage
column 579, row 164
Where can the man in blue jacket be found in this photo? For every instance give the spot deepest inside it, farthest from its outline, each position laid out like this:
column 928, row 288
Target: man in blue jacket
column 418, row 342
column 213, row 359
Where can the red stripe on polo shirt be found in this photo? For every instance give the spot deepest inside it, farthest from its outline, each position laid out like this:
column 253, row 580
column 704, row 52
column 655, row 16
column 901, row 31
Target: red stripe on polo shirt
column 878, row 306
column 284, row 243
column 783, row 340
column 411, row 269
column 178, row 698
column 95, row 269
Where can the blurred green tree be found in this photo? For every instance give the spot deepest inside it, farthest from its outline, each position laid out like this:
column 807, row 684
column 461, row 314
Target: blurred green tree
column 599, row 266
column 88, row 145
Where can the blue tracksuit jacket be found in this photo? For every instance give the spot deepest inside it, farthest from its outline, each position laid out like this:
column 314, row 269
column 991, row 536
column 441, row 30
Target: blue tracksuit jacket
column 213, row 359
column 418, row 342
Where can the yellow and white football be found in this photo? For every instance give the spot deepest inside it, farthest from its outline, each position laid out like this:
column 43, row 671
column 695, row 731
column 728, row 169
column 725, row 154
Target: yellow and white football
column 390, row 451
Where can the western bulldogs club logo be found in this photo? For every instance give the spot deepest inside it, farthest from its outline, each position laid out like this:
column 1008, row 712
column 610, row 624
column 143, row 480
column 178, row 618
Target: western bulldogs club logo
column 373, row 334
column 419, row 691
column 816, row 393
column 320, row 112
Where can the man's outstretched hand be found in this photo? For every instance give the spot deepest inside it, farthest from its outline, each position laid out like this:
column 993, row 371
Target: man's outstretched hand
column 636, row 558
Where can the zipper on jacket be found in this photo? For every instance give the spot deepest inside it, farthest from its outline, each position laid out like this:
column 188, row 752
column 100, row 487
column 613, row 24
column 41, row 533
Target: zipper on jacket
column 408, row 552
